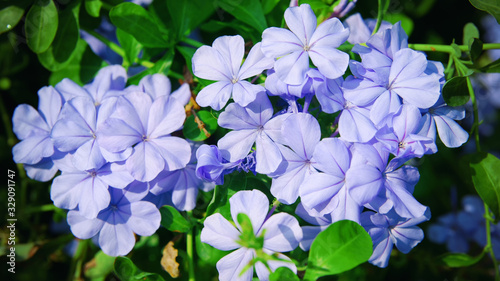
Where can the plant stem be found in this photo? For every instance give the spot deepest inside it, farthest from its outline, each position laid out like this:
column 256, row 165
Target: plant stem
column 192, row 42
column 449, row 48
column 42, row 208
column 487, row 215
column 78, row 258
column 190, row 252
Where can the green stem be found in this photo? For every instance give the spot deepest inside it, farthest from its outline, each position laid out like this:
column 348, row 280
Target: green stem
column 192, row 42
column 487, row 215
column 42, row 208
column 190, row 252
column 449, row 48
column 175, row 75
column 77, row 262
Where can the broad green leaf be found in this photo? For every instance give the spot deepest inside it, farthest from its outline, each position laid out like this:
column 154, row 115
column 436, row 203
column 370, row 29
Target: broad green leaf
column 93, row 7
column 268, row 5
column 470, row 32
column 341, row 247
column 233, row 183
column 200, row 127
column 172, row 220
column 475, row 49
column 58, row 55
column 406, row 22
column 219, row 199
column 41, row 25
column 485, row 171
column 82, row 67
column 461, row 260
column 493, row 67
column 161, row 66
column 187, row 53
column 135, row 20
column 126, row 270
column 11, row 15
column 187, row 15
column 490, row 6
column 100, row 266
column 455, row 91
column 131, row 46
column 247, row 11
column 283, row 274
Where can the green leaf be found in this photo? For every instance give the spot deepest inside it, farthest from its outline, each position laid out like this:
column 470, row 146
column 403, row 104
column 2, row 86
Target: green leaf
column 475, row 49
column 247, row 11
column 219, row 199
column 233, row 183
column 100, row 266
column 187, row 15
column 455, row 91
column 485, row 171
column 82, row 67
column 58, row 55
column 200, row 127
column 93, row 7
column 11, row 15
column 131, row 46
column 268, row 5
column 283, row 274
column 470, row 32
column 406, row 22
column 490, row 6
column 341, row 247
column 493, row 67
column 161, row 66
column 187, row 53
column 135, row 20
column 41, row 25
column 126, row 270
column 172, row 220
column 461, row 260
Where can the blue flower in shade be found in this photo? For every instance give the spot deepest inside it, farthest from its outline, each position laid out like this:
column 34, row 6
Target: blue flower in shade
column 390, row 229
column 33, row 128
column 222, row 63
column 294, row 47
column 87, row 190
column 300, row 133
column 146, row 126
column 182, row 184
column 327, row 193
column 282, row 233
column 114, row 227
column 252, row 124
column 401, row 136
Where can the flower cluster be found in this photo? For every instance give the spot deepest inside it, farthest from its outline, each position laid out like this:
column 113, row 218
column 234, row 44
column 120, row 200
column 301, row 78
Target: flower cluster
column 389, row 111
column 113, row 145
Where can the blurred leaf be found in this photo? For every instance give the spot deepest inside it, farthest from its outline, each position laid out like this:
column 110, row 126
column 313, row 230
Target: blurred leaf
column 99, row 267
column 247, row 11
column 283, row 274
column 470, row 32
column 172, row 220
column 200, row 127
column 82, row 67
column 490, row 6
column 168, row 261
column 131, row 46
column 135, row 20
column 12, row 14
column 475, row 49
column 93, row 7
column 485, row 171
column 406, row 22
column 341, row 247
column 187, row 53
column 493, row 67
column 59, row 53
column 161, row 66
column 126, row 270
column 461, row 260
column 268, row 5
column 186, row 15
column 41, row 25
column 455, row 91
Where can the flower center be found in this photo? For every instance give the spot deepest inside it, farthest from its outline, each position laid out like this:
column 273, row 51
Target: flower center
column 145, row 138
column 307, row 47
column 402, row 144
column 234, row 80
